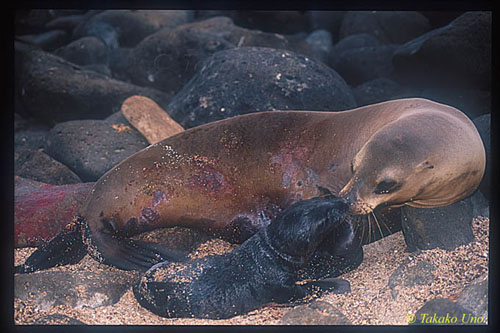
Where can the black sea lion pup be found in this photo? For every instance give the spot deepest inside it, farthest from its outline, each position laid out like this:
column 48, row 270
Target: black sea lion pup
column 262, row 270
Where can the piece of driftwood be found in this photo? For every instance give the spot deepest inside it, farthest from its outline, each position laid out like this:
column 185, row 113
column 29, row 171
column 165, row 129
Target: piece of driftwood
column 149, row 119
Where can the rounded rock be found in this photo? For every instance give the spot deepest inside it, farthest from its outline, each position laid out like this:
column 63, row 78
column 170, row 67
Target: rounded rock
column 245, row 80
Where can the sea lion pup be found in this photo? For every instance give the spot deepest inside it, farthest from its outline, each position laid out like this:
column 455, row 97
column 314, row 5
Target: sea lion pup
column 262, row 270
column 233, row 176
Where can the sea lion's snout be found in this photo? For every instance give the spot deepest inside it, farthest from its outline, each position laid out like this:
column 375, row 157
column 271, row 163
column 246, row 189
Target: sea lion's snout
column 350, row 194
column 360, row 208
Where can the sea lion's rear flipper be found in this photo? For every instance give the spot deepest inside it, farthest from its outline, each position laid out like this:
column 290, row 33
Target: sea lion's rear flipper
column 65, row 248
column 109, row 247
column 128, row 254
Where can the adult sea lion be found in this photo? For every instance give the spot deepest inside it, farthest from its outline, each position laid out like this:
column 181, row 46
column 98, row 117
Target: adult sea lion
column 262, row 270
column 233, row 176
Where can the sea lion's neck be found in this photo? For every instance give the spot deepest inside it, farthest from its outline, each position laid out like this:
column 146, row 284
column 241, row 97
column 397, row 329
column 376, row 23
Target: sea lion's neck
column 288, row 261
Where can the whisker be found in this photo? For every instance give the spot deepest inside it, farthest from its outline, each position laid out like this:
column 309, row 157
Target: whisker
column 369, row 229
column 385, row 225
column 378, row 225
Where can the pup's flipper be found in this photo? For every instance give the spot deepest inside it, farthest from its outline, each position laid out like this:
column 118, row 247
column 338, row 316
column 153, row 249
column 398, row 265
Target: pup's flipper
column 336, row 285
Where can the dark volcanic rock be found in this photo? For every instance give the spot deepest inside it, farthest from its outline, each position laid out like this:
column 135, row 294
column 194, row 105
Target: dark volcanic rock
column 245, row 80
column 279, row 21
column 442, row 311
column 470, row 101
column 69, row 22
column 445, row 227
column 378, row 90
column 355, row 41
column 117, row 118
column 358, row 65
column 54, row 90
column 98, row 68
column 80, row 289
column 37, row 165
column 29, row 21
column 57, row 319
column 475, row 297
column 390, row 27
column 316, row 313
column 20, row 123
column 32, row 139
column 321, row 44
column 167, row 59
column 275, row 21
column 419, row 274
column 483, row 125
column 126, row 28
column 458, row 54
column 92, row 147
column 438, row 19
column 480, row 205
column 119, row 63
column 327, row 20
column 85, row 51
column 48, row 41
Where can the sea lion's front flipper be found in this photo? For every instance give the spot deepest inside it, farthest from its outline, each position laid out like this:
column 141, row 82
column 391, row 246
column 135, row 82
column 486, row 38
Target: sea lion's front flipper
column 65, row 248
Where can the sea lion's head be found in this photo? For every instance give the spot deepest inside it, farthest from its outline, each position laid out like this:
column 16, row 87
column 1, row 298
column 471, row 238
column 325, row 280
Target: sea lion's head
column 298, row 230
column 426, row 159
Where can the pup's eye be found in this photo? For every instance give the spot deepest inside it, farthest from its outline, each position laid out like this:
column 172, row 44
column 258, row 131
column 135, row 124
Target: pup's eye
column 387, row 186
column 352, row 168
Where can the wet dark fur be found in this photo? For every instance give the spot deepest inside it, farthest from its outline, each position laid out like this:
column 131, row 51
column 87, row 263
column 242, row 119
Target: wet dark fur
column 262, row 270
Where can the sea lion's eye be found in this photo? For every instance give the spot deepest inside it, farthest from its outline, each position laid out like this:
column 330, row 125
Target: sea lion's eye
column 387, row 186
column 352, row 168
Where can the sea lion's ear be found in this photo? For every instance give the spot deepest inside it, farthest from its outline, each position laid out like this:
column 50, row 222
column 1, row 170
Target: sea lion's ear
column 426, row 165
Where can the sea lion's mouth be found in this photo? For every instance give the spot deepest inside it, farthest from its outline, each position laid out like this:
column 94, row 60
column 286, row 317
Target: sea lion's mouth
column 360, row 208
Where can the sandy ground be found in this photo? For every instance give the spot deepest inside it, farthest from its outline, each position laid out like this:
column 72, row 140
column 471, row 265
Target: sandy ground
column 369, row 303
